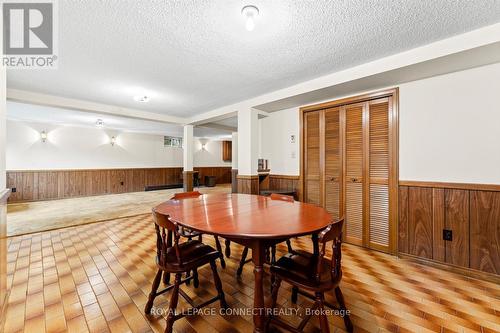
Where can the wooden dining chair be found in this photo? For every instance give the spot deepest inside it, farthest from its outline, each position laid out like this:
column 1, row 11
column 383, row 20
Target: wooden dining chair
column 314, row 273
column 244, row 254
column 190, row 234
column 179, row 258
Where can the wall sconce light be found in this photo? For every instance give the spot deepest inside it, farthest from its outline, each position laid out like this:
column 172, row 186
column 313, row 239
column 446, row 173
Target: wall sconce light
column 203, row 146
column 43, row 136
column 250, row 12
column 113, row 140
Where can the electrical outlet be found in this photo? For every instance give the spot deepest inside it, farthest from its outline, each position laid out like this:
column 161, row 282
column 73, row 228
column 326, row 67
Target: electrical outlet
column 447, row 235
column 13, row 190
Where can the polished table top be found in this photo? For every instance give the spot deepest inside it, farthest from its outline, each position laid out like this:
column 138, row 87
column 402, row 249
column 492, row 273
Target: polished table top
column 246, row 216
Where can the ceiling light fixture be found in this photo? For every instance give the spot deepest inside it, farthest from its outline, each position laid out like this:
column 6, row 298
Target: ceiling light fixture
column 141, row 98
column 99, row 123
column 43, row 136
column 250, row 12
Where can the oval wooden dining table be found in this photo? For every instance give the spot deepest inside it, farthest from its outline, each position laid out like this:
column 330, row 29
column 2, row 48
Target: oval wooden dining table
column 250, row 220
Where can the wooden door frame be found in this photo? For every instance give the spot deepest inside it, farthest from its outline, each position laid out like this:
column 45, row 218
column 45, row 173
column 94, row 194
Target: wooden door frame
column 393, row 149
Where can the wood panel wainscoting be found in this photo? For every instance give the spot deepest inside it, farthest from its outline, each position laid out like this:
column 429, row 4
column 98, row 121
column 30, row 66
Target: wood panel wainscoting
column 248, row 184
column 37, row 185
column 243, row 184
column 4, row 195
column 285, row 183
column 234, row 180
column 470, row 211
column 222, row 174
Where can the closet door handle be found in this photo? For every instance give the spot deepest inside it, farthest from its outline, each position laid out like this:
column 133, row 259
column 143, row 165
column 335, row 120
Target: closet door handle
column 333, row 179
column 354, row 180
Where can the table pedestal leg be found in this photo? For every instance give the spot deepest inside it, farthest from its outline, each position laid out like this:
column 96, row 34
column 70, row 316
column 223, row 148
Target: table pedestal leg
column 258, row 258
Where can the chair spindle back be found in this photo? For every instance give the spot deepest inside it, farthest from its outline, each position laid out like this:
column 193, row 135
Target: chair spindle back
column 332, row 233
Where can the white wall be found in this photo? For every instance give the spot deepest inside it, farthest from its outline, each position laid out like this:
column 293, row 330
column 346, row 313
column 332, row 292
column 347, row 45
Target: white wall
column 449, row 129
column 2, row 128
column 70, row 147
column 211, row 155
column 275, row 141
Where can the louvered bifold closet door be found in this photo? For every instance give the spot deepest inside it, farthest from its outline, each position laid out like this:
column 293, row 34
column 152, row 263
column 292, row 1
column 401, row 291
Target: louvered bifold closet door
column 353, row 161
column 333, row 162
column 379, row 166
column 312, row 158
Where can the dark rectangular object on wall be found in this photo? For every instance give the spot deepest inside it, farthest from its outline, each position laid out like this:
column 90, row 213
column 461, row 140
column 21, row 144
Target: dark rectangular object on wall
column 227, row 151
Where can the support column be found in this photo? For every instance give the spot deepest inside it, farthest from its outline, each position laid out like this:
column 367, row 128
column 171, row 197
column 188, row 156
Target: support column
column 234, row 163
column 188, row 143
column 4, row 194
column 248, row 151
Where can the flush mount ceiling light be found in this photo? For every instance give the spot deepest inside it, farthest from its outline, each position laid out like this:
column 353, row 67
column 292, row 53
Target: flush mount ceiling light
column 99, row 123
column 250, row 12
column 141, row 98
column 43, row 136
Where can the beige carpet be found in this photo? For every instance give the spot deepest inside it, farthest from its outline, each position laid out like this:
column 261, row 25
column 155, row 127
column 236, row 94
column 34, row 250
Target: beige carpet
column 31, row 217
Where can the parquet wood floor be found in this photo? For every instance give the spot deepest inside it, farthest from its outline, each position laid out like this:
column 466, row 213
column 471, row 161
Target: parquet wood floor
column 96, row 278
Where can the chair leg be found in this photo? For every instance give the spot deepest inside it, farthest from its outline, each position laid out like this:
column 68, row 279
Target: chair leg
column 152, row 294
column 218, row 285
column 275, row 286
column 196, row 281
column 228, row 248
column 219, row 248
column 166, row 278
column 274, row 291
column 295, row 294
column 242, row 261
column 323, row 320
column 200, row 238
column 188, row 281
column 172, row 305
column 347, row 319
column 289, row 246
column 273, row 254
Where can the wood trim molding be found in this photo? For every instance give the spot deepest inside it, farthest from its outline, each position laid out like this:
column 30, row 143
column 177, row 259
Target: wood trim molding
column 456, row 186
column 452, row 268
column 247, row 176
column 96, row 169
column 285, row 177
column 352, row 99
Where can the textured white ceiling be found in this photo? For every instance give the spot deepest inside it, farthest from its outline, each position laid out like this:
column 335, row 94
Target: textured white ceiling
column 56, row 116
column 191, row 56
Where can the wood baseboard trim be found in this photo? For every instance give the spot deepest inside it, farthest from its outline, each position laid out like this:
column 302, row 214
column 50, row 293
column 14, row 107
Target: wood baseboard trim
column 291, row 177
column 472, row 273
column 456, row 186
column 247, row 176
